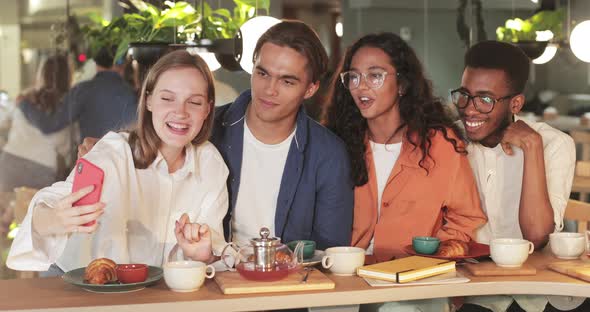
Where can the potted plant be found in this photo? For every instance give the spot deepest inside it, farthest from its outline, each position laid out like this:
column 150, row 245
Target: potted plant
column 103, row 36
column 151, row 32
column 525, row 33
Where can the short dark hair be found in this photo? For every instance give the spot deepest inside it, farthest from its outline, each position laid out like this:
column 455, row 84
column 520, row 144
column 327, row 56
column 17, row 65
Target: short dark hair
column 301, row 38
column 104, row 57
column 503, row 56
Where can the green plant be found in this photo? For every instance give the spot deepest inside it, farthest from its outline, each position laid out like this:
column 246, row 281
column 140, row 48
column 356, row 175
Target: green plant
column 103, row 34
column 220, row 23
column 178, row 22
column 516, row 30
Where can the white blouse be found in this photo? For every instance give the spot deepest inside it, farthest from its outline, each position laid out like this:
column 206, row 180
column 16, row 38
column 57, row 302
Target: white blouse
column 142, row 206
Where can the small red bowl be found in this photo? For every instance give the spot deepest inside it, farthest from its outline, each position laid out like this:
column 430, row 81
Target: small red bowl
column 132, row 273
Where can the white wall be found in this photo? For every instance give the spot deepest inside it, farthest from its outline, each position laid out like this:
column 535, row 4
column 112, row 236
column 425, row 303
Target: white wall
column 10, row 48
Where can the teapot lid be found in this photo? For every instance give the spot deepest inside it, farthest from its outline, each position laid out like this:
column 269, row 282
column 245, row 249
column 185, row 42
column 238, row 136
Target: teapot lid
column 264, row 240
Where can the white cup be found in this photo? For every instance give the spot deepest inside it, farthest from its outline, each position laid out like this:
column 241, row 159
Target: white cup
column 510, row 252
column 186, row 276
column 343, row 260
column 567, row 245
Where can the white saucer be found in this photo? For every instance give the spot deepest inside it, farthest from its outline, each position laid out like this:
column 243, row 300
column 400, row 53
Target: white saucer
column 316, row 259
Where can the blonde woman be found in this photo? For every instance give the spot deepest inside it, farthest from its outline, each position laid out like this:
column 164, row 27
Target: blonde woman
column 159, row 179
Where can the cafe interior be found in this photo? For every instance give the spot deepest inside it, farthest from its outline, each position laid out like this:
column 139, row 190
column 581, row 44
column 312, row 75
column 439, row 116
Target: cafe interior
column 554, row 34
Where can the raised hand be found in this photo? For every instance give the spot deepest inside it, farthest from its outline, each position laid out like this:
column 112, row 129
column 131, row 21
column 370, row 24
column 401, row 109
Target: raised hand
column 65, row 218
column 519, row 134
column 194, row 239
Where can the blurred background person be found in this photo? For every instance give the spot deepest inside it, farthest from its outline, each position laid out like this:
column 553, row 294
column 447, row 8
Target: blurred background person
column 104, row 103
column 30, row 157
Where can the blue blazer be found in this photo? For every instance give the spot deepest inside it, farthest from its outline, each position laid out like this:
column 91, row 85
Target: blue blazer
column 315, row 200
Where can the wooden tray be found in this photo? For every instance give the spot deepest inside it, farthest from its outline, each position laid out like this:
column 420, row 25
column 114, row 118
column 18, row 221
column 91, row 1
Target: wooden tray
column 575, row 268
column 489, row 268
column 233, row 283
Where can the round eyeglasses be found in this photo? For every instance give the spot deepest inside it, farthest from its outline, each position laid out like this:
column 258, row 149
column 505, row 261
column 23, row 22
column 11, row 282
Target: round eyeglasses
column 352, row 79
column 483, row 103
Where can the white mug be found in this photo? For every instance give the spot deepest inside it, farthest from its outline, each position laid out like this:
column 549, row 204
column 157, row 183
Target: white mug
column 343, row 260
column 187, row 276
column 510, row 252
column 567, row 245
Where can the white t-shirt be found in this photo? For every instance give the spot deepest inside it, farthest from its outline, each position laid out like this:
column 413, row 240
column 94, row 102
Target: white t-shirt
column 142, row 206
column 260, row 182
column 384, row 158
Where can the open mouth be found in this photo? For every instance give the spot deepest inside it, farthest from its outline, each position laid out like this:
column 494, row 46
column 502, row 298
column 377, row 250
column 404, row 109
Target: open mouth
column 177, row 128
column 365, row 102
column 473, row 125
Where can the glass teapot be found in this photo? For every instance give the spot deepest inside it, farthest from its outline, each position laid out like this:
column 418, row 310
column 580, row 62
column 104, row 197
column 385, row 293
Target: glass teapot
column 266, row 258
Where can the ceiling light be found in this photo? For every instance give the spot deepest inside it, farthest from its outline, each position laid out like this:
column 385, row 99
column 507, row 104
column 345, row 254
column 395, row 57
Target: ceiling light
column 579, row 41
column 339, row 29
column 251, row 32
column 547, row 55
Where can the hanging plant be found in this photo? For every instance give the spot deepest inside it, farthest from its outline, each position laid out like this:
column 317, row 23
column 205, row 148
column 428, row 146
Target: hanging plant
column 178, row 22
column 517, row 30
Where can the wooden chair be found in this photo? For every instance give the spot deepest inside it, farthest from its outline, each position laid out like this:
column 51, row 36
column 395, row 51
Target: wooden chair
column 582, row 141
column 581, row 182
column 578, row 211
column 23, row 196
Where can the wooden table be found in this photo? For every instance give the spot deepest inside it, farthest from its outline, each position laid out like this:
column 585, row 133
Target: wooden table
column 52, row 294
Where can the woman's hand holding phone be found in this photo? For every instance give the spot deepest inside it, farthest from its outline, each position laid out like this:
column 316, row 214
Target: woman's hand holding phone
column 65, row 218
column 194, row 239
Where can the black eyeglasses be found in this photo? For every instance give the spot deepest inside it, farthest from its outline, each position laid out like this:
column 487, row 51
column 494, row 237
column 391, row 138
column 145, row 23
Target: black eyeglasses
column 483, row 103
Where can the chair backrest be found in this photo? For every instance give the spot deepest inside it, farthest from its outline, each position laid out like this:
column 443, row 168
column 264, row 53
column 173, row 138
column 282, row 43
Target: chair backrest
column 23, row 196
column 583, row 168
column 582, row 140
column 578, row 211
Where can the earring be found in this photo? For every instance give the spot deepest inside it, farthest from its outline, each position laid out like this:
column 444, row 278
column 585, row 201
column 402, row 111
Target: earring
column 401, row 94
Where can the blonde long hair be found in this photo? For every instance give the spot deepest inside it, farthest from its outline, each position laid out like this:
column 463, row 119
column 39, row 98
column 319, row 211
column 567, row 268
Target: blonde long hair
column 144, row 140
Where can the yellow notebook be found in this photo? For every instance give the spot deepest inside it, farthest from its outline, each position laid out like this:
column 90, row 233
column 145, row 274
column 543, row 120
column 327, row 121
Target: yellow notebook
column 406, row 269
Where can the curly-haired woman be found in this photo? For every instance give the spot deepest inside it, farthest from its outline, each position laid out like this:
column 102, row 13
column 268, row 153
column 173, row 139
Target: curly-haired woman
column 409, row 164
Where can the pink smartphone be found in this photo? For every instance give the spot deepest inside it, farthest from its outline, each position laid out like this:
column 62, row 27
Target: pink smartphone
column 88, row 174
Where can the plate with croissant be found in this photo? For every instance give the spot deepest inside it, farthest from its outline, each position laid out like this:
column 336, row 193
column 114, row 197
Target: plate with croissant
column 455, row 250
column 101, row 276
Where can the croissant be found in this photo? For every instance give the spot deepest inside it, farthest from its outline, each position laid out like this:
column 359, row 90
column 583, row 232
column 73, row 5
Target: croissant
column 101, row 271
column 453, row 248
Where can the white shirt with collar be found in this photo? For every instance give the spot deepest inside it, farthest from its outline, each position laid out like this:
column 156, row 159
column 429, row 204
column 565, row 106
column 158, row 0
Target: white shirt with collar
column 142, row 206
column 499, row 180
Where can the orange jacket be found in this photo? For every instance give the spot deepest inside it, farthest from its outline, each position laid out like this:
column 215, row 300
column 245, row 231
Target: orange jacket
column 443, row 203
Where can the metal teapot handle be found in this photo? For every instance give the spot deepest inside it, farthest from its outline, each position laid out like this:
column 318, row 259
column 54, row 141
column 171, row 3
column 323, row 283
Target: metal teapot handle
column 224, row 255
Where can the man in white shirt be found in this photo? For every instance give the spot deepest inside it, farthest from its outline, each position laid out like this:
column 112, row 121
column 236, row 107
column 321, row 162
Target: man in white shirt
column 524, row 170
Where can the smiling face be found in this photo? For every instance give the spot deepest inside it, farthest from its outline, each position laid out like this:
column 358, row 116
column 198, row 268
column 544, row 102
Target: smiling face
column 280, row 82
column 488, row 128
column 179, row 106
column 375, row 103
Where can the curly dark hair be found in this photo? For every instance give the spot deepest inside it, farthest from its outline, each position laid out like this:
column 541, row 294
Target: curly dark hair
column 421, row 112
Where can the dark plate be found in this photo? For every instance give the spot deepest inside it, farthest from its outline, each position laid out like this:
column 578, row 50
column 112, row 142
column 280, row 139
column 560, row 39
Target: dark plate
column 76, row 277
column 476, row 250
